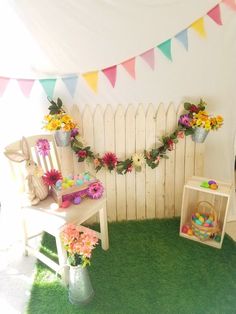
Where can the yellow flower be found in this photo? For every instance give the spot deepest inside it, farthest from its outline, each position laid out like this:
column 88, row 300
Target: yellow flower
column 54, row 125
column 66, row 119
column 138, row 161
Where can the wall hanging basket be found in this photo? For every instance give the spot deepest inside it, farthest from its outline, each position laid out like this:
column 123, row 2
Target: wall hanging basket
column 205, row 221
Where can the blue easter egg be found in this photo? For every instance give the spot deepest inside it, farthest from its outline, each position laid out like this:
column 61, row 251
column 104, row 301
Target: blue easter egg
column 87, row 177
column 79, row 182
column 198, row 222
column 77, row 200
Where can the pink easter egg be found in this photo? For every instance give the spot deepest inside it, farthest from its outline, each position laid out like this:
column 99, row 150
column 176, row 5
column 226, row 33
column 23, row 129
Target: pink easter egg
column 65, row 204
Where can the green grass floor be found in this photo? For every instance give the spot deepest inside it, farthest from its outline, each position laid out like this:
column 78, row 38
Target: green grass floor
column 148, row 269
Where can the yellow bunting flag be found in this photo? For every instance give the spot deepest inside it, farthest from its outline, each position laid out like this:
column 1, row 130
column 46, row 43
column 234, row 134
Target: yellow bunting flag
column 92, row 80
column 198, row 26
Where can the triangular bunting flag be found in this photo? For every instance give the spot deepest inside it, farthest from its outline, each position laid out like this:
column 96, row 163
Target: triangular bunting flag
column 129, row 65
column 183, row 38
column 92, row 80
column 215, row 14
column 48, row 86
column 25, row 86
column 71, row 83
column 165, row 48
column 111, row 74
column 148, row 56
column 230, row 3
column 3, row 84
column 198, row 26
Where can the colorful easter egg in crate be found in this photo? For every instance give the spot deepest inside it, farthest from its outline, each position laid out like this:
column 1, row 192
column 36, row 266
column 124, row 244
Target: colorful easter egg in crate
column 198, row 222
column 65, row 204
column 185, row 228
column 77, row 200
column 79, row 182
column 200, row 218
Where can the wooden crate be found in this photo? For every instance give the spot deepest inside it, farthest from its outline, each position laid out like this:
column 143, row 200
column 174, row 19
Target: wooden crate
column 194, row 193
column 71, row 192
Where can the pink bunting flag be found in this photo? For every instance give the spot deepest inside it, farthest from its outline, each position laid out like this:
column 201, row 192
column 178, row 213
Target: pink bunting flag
column 230, row 3
column 129, row 65
column 148, row 56
column 215, row 14
column 3, row 84
column 111, row 74
column 25, row 86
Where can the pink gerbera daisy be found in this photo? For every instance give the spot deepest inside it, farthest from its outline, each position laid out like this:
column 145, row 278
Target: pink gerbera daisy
column 51, row 177
column 110, row 160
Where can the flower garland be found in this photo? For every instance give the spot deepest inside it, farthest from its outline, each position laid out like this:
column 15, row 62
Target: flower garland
column 196, row 116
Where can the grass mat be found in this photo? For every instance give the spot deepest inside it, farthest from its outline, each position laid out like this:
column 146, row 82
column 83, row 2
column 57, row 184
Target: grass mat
column 148, row 269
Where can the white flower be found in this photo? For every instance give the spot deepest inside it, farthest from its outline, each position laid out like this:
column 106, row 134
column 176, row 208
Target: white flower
column 138, row 161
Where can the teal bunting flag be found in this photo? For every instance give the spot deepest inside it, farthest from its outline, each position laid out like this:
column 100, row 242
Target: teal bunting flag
column 182, row 37
column 48, row 86
column 165, row 48
column 71, row 83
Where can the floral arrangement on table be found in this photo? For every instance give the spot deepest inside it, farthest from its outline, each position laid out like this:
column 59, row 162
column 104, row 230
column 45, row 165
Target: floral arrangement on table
column 78, row 244
column 58, row 119
column 198, row 117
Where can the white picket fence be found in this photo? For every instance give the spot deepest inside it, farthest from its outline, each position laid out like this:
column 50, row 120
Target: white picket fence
column 151, row 193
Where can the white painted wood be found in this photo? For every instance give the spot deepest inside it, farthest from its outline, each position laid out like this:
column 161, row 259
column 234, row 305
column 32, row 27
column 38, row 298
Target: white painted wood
column 170, row 166
column 130, row 149
column 179, row 168
column 109, row 128
column 199, row 159
column 120, row 152
column 160, row 170
column 140, row 176
column 88, row 134
column 189, row 157
column 150, row 173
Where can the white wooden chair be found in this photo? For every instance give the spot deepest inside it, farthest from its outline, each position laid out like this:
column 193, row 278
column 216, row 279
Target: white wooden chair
column 50, row 220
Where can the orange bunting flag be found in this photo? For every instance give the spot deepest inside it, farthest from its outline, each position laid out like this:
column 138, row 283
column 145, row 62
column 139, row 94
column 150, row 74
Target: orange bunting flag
column 92, row 80
column 198, row 26
column 129, row 65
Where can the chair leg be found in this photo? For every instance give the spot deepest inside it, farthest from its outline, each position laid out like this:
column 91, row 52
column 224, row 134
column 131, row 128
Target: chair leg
column 104, row 228
column 25, row 234
column 62, row 258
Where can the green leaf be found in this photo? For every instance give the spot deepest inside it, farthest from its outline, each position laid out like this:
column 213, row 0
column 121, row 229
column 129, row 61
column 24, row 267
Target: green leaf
column 187, row 105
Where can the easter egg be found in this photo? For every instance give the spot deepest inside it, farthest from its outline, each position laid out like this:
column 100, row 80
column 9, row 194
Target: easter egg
column 198, row 222
column 65, row 204
column 79, row 182
column 87, row 177
column 65, row 185
column 185, row 229
column 206, row 225
column 201, row 219
column 214, row 186
column 77, row 200
column 204, row 184
column 190, row 232
column 211, row 182
column 70, row 182
column 197, row 215
column 208, row 221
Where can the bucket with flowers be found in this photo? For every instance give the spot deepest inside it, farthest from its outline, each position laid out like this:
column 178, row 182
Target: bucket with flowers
column 199, row 122
column 79, row 243
column 60, row 122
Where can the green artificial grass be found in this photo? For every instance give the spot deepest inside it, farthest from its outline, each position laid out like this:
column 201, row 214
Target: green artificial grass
column 148, row 269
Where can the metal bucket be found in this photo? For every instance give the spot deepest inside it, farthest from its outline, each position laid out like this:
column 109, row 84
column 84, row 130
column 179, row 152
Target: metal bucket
column 80, row 288
column 199, row 135
column 62, row 138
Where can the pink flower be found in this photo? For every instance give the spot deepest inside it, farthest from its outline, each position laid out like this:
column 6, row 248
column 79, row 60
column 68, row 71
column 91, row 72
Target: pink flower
column 82, row 153
column 51, row 177
column 110, row 160
column 170, row 144
column 180, row 134
column 43, row 147
column 129, row 168
column 95, row 190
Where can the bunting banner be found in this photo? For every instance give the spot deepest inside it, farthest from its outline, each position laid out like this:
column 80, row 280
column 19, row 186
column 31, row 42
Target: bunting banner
column 91, row 78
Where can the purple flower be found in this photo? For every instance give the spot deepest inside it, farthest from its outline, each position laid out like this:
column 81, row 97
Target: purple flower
column 43, row 147
column 74, row 132
column 95, row 190
column 184, row 120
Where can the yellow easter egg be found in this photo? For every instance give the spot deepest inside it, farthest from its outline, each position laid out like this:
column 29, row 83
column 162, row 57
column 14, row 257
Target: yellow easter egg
column 197, row 215
column 214, row 186
column 201, row 219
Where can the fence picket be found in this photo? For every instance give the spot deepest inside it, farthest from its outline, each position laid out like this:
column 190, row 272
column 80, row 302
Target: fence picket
column 170, row 166
column 160, row 170
column 150, row 173
column 110, row 177
column 199, row 159
column 189, row 157
column 120, row 152
column 88, row 136
column 179, row 169
column 130, row 149
column 140, row 176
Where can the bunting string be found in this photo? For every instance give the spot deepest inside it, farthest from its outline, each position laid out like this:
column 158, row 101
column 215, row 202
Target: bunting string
column 92, row 78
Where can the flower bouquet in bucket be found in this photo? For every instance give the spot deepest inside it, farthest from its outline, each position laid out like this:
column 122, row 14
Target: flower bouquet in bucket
column 198, row 121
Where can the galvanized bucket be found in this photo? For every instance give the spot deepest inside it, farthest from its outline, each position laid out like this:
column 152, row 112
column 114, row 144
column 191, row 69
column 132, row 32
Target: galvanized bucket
column 62, row 138
column 199, row 135
column 80, row 288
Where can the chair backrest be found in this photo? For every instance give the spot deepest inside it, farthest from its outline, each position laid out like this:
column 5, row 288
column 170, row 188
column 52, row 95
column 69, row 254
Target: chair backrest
column 48, row 162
